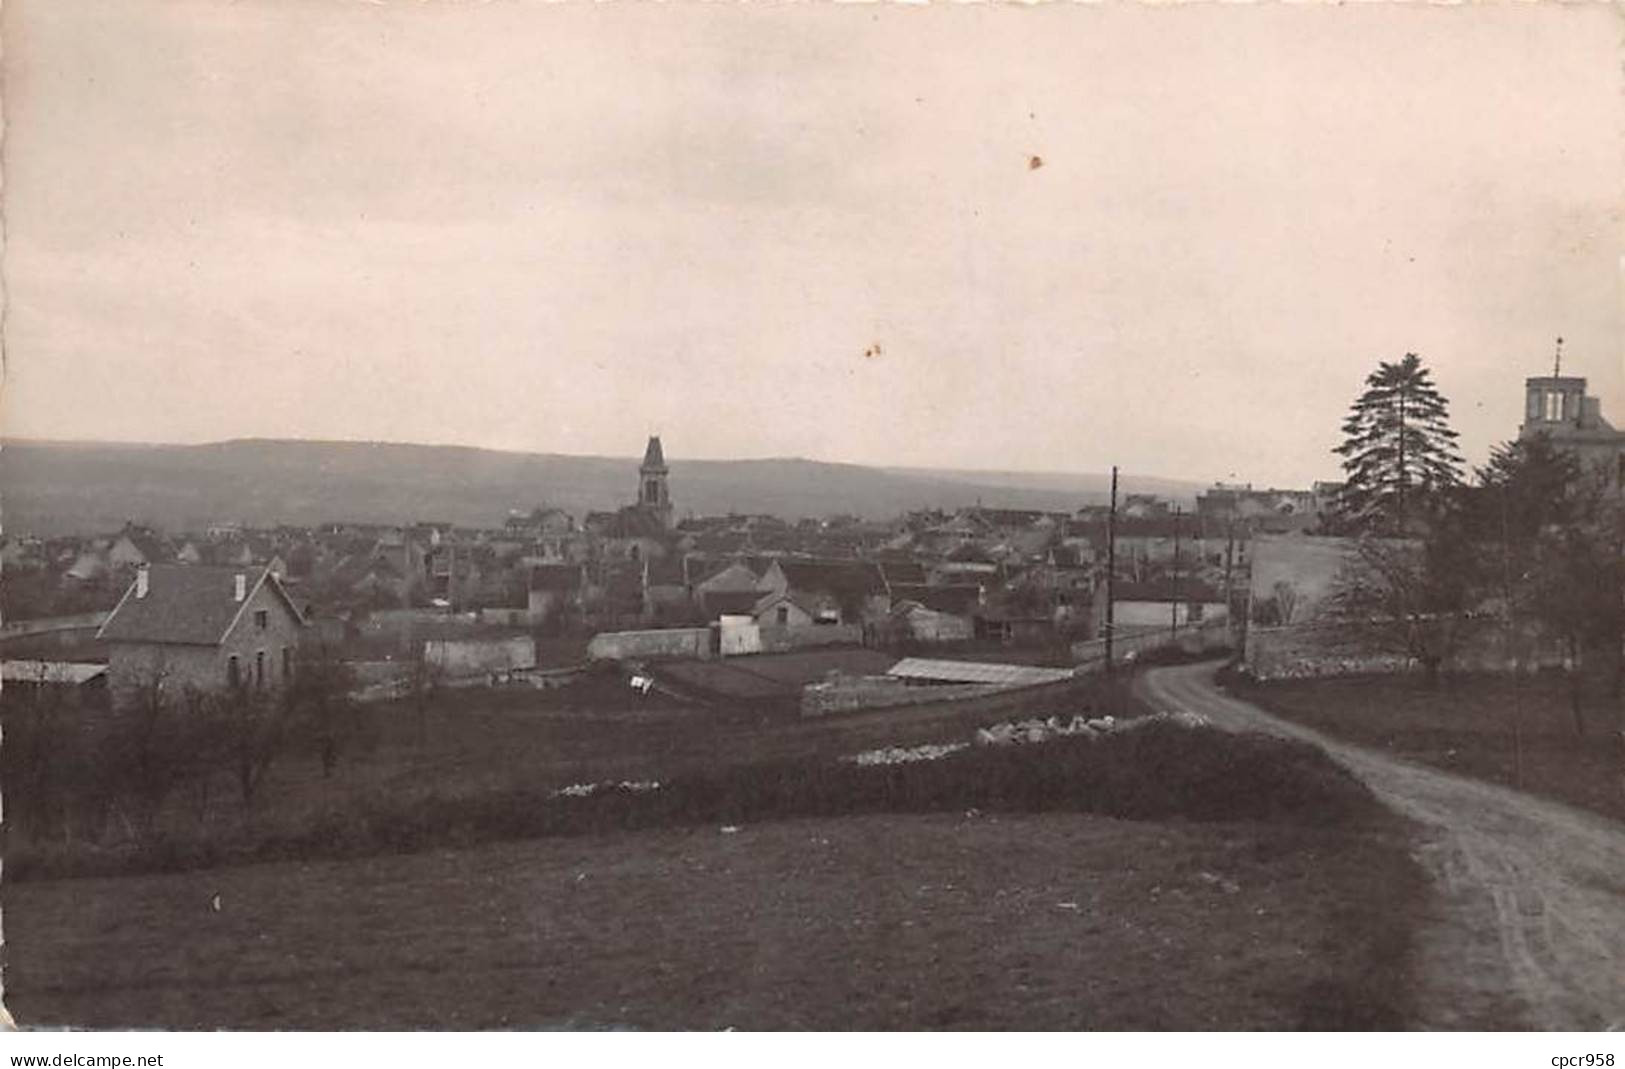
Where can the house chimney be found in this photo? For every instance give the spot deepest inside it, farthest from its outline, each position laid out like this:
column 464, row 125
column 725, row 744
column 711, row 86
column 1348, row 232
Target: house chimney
column 241, row 590
column 141, row 581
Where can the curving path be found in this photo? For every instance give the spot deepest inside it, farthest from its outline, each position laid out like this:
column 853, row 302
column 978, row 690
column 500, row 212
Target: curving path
column 1528, row 928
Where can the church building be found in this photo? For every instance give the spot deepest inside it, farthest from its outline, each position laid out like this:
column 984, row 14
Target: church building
column 644, row 530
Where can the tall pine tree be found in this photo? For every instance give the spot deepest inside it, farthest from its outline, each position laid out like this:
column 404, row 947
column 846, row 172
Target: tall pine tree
column 1398, row 451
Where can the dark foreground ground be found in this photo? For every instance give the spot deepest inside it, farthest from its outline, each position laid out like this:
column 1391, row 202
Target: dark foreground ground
column 1512, row 732
column 461, row 746
column 1048, row 921
column 436, row 881
column 1523, row 925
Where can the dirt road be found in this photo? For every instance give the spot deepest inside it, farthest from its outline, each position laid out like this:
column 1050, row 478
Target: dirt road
column 1529, row 925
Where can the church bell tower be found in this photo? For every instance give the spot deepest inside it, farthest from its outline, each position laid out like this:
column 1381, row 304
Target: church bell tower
column 653, row 493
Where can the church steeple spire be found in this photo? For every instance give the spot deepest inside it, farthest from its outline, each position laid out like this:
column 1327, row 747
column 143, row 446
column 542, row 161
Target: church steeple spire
column 653, row 493
column 654, row 458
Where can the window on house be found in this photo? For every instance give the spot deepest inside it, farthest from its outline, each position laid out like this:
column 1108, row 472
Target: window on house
column 234, row 675
column 262, row 617
column 287, row 663
column 784, row 614
column 1554, row 406
column 259, row 668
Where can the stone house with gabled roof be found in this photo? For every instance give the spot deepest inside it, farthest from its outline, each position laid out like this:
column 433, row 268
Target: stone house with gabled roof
column 201, row 628
column 733, row 577
column 855, row 589
column 794, row 608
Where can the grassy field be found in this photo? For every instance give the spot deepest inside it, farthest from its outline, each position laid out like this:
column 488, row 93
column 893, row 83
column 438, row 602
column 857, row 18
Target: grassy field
column 474, row 743
column 773, row 677
column 1468, row 725
column 1052, row 921
column 434, row 882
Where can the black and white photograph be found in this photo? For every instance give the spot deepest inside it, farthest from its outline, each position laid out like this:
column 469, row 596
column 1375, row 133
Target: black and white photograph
column 814, row 517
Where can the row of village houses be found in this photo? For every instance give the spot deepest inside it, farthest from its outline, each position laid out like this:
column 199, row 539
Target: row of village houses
column 212, row 627
column 230, row 605
column 612, row 569
column 240, row 596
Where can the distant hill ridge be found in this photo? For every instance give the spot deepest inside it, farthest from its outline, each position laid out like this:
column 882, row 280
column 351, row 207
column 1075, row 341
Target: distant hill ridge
column 65, row 487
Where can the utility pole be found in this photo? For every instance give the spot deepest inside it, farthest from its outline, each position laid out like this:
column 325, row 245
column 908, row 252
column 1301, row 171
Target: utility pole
column 1111, row 568
column 1173, row 624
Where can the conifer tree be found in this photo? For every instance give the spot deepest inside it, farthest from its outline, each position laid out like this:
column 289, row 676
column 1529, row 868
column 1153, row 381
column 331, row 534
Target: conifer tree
column 1398, row 451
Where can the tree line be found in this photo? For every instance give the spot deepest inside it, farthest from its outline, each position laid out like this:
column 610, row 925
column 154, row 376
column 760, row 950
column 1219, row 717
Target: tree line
column 1531, row 545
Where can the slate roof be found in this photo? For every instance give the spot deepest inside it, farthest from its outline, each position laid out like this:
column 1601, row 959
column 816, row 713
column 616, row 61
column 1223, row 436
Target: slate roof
column 732, row 602
column 654, row 458
column 186, row 605
column 959, row 599
column 842, row 578
column 354, row 570
column 734, row 575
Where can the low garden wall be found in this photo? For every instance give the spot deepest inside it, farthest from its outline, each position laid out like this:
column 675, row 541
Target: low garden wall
column 475, row 657
column 1303, row 651
column 692, row 642
column 812, row 636
column 1308, row 652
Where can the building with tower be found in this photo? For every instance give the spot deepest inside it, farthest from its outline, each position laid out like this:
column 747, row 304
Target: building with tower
column 641, row 531
column 1556, row 405
column 654, row 495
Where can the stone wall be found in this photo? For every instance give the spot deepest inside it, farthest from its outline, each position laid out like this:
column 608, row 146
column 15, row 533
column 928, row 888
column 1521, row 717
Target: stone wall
column 785, row 639
column 1480, row 645
column 1306, row 652
column 477, row 657
column 689, row 642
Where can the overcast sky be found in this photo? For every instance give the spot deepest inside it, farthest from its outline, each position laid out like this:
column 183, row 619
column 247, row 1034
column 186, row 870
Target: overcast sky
column 806, row 230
